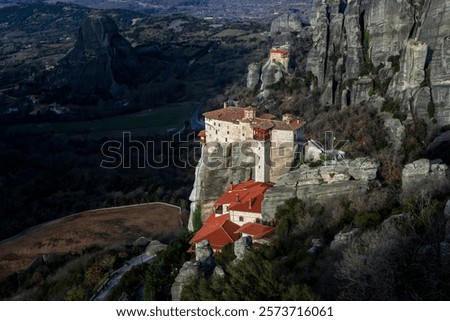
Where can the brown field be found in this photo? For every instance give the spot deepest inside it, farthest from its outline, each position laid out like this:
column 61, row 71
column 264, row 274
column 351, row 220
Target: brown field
column 80, row 231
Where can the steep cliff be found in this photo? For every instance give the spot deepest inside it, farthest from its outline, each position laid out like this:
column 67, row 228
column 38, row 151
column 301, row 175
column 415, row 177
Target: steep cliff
column 376, row 52
column 216, row 170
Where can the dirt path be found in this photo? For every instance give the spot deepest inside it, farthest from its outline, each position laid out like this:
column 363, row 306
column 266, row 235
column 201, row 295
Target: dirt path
column 79, row 231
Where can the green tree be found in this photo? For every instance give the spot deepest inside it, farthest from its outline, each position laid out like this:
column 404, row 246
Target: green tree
column 197, row 218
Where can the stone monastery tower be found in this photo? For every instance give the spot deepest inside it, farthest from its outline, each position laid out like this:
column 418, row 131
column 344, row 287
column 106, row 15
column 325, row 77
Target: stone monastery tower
column 272, row 143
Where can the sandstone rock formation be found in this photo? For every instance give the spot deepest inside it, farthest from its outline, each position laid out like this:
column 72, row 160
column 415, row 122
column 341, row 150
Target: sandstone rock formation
column 423, row 172
column 241, row 247
column 387, row 49
column 99, row 65
column 211, row 181
column 286, row 23
column 203, row 265
column 154, row 247
column 344, row 238
column 187, row 271
column 253, row 75
column 285, row 32
column 321, row 183
column 141, row 242
column 447, row 210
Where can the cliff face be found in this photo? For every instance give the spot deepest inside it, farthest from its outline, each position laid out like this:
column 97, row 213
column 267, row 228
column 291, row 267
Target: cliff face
column 376, row 51
column 212, row 180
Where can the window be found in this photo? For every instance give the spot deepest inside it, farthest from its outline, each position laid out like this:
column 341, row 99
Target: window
column 258, row 220
column 228, row 132
column 241, row 219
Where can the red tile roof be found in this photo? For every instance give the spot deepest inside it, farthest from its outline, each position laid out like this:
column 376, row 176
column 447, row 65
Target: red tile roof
column 267, row 116
column 265, row 121
column 263, row 124
column 229, row 114
column 202, row 133
column 280, row 51
column 256, row 231
column 244, row 197
column 218, row 230
column 291, row 126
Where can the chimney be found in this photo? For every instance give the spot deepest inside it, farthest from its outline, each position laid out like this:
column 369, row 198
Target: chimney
column 250, row 204
column 225, row 104
column 287, row 118
column 237, row 198
column 249, row 113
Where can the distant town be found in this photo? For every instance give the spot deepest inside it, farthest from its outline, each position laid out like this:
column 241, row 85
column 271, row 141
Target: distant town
column 209, row 9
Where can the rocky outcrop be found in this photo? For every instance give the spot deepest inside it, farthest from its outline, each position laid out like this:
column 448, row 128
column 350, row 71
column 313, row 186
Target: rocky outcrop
column 242, row 247
column 101, row 64
column 141, row 242
column 395, row 130
column 316, row 245
column 319, row 184
column 154, row 248
column 401, row 49
column 271, row 73
column 424, row 172
column 388, row 25
column 204, row 254
column 344, row 238
column 447, row 210
column 407, row 84
column 435, row 31
column 445, row 244
column 285, row 32
column 253, row 75
column 286, row 23
column 203, row 265
column 186, row 273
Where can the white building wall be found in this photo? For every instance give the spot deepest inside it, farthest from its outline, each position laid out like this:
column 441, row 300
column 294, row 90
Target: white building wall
column 262, row 165
column 222, row 131
column 282, row 136
column 282, row 153
column 247, row 217
column 278, row 57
